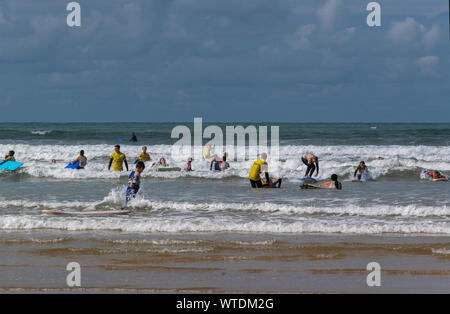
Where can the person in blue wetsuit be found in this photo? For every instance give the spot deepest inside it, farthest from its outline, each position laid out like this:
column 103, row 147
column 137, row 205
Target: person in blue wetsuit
column 134, row 181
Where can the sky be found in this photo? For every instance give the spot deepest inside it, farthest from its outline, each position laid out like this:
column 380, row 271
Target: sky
column 224, row 61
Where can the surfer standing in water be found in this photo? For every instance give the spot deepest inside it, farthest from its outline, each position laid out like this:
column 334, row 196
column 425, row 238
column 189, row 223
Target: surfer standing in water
column 118, row 158
column 134, row 182
column 260, row 165
column 361, row 169
column 133, row 137
column 81, row 159
column 312, row 163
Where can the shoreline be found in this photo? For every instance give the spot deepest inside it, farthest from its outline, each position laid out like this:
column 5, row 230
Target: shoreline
column 114, row 262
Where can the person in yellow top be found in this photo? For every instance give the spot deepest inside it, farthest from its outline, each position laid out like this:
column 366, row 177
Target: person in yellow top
column 9, row 157
column 260, row 165
column 312, row 163
column 118, row 158
column 207, row 153
column 144, row 156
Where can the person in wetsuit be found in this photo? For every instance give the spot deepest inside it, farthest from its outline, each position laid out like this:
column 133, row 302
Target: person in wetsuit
column 9, row 157
column 312, row 163
column 134, row 181
column 360, row 170
column 133, row 137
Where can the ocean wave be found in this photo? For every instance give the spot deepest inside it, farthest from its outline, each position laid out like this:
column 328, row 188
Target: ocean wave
column 144, row 207
column 216, row 224
column 406, row 162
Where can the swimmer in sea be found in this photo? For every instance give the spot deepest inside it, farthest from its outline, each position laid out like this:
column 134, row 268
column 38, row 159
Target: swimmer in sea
column 361, row 169
column 259, row 166
column 9, row 157
column 312, row 163
column 332, row 184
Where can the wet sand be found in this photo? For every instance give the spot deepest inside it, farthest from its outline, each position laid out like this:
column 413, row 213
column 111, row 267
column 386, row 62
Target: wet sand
column 222, row 262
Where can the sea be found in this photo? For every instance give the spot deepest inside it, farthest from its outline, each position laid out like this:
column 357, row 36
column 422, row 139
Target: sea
column 398, row 198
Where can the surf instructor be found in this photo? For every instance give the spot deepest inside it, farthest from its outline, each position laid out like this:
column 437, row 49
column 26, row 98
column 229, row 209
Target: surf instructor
column 118, row 158
column 260, row 165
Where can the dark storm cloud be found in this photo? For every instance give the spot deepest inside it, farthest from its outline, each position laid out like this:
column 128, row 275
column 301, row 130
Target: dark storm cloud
column 224, row 60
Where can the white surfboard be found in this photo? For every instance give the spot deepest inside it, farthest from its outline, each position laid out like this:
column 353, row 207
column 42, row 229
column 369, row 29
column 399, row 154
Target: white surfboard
column 106, row 212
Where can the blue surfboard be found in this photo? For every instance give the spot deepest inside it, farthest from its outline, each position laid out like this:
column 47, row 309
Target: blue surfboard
column 119, row 139
column 10, row 165
column 73, row 166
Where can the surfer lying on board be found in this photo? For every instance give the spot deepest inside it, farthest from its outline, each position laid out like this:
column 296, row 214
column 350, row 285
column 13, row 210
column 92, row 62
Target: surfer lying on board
column 271, row 183
column 118, row 158
column 332, row 184
column 312, row 163
column 435, row 175
column 260, row 165
column 134, row 181
column 361, row 169
column 161, row 162
column 9, row 157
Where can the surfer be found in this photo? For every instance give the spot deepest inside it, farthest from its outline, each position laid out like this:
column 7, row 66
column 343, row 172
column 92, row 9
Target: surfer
column 161, row 162
column 9, row 157
column 271, row 183
column 134, row 181
column 144, row 156
column 118, row 158
column 332, row 184
column 312, row 163
column 188, row 166
column 81, row 159
column 133, row 137
column 435, row 175
column 207, row 153
column 260, row 165
column 361, row 169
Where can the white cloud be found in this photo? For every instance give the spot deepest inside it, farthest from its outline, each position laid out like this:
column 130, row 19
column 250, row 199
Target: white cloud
column 328, row 13
column 428, row 65
column 300, row 39
column 431, row 37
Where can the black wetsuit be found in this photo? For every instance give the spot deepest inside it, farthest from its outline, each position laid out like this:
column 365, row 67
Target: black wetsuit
column 310, row 167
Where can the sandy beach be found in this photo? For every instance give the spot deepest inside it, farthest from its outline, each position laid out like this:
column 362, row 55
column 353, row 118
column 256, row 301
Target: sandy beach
column 222, row 263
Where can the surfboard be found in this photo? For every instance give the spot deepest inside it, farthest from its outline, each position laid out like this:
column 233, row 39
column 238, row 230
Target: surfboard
column 10, row 165
column 309, row 187
column 119, row 139
column 440, row 180
column 72, row 166
column 307, row 180
column 106, row 212
column 167, row 168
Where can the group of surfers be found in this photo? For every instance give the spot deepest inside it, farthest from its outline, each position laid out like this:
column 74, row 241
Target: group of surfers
column 259, row 167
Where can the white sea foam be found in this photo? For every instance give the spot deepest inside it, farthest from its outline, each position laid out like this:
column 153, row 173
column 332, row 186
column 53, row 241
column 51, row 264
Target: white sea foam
column 333, row 159
column 217, row 224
